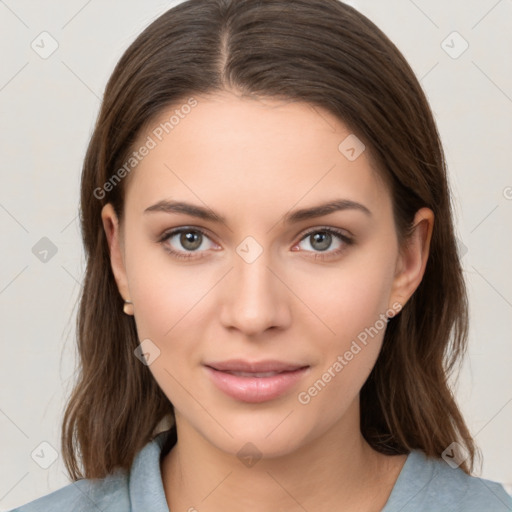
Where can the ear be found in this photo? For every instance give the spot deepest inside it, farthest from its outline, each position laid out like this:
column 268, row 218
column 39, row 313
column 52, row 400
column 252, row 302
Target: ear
column 413, row 257
column 116, row 248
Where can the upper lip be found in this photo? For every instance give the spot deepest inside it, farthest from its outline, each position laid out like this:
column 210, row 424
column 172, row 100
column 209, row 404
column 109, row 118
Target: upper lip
column 269, row 365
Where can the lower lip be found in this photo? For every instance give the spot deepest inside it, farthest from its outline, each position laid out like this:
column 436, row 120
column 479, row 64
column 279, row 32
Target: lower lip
column 255, row 389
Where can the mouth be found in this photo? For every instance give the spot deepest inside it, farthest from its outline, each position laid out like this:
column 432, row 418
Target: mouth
column 253, row 374
column 255, row 382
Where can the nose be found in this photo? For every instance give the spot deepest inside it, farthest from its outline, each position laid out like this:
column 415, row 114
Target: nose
column 255, row 297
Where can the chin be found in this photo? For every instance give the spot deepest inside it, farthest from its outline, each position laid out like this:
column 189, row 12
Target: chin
column 264, row 434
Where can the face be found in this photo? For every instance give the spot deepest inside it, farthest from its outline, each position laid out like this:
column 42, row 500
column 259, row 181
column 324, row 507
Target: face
column 263, row 325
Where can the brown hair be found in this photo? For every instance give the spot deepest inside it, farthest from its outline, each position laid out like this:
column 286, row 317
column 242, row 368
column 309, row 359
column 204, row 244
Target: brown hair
column 327, row 54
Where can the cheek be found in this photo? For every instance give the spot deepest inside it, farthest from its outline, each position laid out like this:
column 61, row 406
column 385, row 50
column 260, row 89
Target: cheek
column 166, row 295
column 352, row 299
column 169, row 308
column 354, row 309
column 352, row 305
column 164, row 304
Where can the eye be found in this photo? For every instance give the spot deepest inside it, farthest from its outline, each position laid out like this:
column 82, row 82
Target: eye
column 321, row 239
column 183, row 242
column 190, row 240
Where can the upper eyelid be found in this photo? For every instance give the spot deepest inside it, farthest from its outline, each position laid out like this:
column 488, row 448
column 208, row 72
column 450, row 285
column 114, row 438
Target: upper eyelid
column 175, row 231
column 338, row 231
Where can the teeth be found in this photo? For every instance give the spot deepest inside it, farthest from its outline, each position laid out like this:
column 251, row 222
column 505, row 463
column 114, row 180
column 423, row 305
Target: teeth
column 254, row 374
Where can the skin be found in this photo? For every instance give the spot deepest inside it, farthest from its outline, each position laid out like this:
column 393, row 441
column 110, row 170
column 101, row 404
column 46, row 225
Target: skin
column 253, row 161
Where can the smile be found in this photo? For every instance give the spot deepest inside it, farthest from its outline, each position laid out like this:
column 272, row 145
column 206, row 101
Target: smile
column 253, row 386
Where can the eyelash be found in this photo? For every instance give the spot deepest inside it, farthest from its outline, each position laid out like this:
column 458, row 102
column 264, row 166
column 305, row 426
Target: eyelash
column 323, row 256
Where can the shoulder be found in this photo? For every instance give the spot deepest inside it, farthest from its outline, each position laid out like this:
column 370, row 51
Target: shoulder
column 137, row 490
column 427, row 484
column 109, row 494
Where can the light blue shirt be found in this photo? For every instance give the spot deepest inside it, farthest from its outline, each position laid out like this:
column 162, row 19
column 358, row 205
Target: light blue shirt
column 423, row 485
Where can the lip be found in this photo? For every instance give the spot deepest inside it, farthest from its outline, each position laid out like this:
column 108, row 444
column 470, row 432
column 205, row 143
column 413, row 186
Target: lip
column 257, row 388
column 240, row 365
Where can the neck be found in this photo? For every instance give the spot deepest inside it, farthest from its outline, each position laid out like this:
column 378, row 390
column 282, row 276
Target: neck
column 338, row 467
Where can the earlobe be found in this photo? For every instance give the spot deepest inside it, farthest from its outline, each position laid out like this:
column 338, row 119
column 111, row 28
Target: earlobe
column 413, row 257
column 116, row 250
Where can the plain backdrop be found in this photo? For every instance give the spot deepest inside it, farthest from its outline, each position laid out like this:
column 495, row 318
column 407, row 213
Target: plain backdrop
column 48, row 105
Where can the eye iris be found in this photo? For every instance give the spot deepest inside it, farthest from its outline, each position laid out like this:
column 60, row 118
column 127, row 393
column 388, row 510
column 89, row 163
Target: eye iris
column 190, row 238
column 323, row 238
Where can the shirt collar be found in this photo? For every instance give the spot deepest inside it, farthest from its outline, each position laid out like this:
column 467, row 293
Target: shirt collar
column 416, row 474
column 145, row 483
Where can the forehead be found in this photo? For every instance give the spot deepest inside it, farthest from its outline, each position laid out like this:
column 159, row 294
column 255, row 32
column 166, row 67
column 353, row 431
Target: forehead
column 252, row 153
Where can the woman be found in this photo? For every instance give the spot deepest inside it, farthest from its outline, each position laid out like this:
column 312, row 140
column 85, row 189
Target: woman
column 273, row 299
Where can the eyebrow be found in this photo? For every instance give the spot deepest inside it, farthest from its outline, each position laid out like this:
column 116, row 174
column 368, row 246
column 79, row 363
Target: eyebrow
column 207, row 214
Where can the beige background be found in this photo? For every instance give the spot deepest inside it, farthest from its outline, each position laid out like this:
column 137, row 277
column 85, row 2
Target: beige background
column 47, row 111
